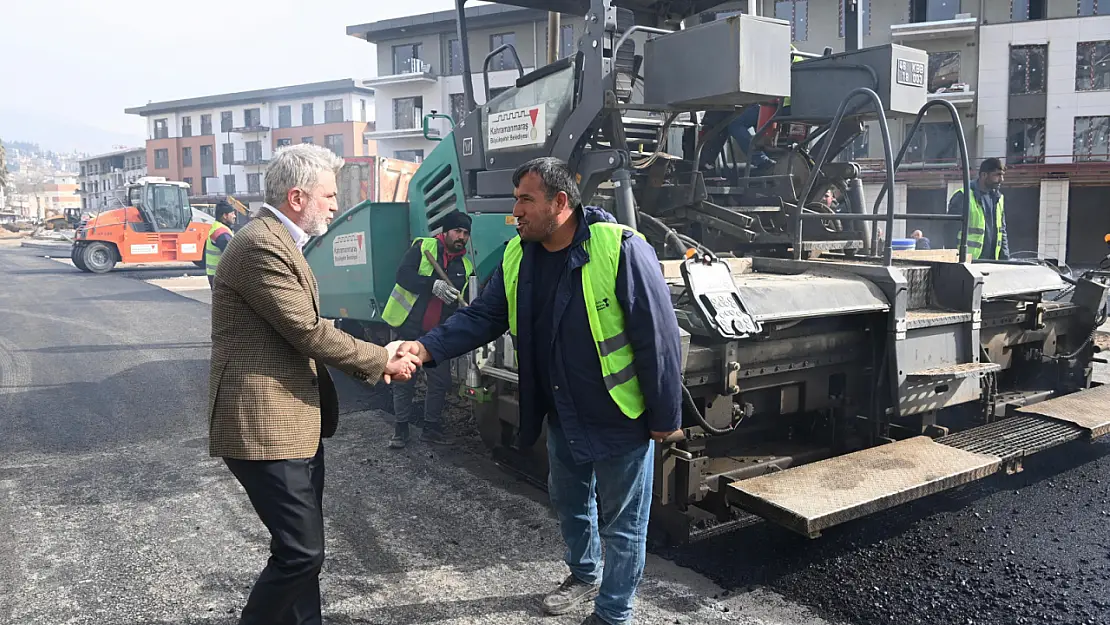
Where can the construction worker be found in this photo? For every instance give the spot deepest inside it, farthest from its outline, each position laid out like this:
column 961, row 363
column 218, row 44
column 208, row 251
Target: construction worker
column 599, row 357
column 218, row 238
column 420, row 301
column 986, row 238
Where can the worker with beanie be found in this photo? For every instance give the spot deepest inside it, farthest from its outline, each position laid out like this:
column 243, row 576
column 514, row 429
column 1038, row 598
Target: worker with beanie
column 218, row 238
column 420, row 301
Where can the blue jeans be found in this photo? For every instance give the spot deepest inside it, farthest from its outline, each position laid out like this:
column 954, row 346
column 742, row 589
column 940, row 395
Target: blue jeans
column 623, row 487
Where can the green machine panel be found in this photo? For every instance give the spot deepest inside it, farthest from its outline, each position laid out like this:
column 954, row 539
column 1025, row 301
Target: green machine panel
column 355, row 262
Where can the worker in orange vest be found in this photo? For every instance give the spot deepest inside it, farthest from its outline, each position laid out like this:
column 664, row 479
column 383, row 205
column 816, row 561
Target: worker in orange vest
column 218, row 238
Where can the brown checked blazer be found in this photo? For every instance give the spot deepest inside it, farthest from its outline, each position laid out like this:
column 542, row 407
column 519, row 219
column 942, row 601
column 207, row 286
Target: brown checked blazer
column 269, row 394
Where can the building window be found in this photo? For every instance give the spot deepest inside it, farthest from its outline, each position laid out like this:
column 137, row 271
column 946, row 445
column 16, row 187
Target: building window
column 944, row 71
column 1022, row 10
column 188, row 181
column 161, row 159
column 454, row 57
column 252, row 118
column 458, row 107
column 333, row 111
column 186, row 157
column 206, row 124
column 254, row 183
column 206, row 167
column 797, row 13
column 161, row 129
column 229, row 153
column 865, row 8
column 334, row 143
column 254, row 152
column 566, row 41
column 1025, row 141
column 1092, row 66
column 361, row 109
column 1028, row 65
column 306, row 140
column 285, row 116
column 186, row 126
column 229, row 184
column 406, row 58
column 412, row 156
column 933, row 144
column 859, row 148
column 504, row 60
column 225, row 121
column 1092, row 138
column 407, row 112
column 307, row 116
column 1090, row 7
column 284, row 142
column 934, row 10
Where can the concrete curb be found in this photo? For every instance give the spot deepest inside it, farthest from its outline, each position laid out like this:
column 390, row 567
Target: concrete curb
column 45, row 245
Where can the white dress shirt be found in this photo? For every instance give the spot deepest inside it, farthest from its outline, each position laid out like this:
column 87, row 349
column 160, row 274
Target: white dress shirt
column 300, row 237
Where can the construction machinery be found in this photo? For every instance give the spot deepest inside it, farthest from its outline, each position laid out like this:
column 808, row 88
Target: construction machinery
column 157, row 226
column 825, row 376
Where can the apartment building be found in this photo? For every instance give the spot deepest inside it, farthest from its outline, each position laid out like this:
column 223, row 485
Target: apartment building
column 103, row 179
column 221, row 144
column 420, row 67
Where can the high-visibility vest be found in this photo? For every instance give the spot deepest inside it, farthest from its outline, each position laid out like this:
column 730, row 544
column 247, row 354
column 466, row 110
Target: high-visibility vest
column 794, row 58
column 211, row 252
column 977, row 224
column 401, row 300
column 599, row 281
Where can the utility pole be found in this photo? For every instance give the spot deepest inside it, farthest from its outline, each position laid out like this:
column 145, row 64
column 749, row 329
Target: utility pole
column 553, row 28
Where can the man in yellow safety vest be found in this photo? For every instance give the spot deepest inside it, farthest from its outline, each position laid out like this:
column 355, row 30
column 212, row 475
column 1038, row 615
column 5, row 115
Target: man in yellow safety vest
column 986, row 238
column 218, row 238
column 420, row 301
column 599, row 358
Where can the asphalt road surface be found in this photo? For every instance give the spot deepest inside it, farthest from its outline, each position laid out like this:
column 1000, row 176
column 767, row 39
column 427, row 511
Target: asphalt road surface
column 111, row 511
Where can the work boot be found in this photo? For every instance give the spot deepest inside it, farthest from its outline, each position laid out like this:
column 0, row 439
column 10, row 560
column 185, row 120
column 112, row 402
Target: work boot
column 569, row 595
column 594, row 619
column 400, row 436
column 435, row 436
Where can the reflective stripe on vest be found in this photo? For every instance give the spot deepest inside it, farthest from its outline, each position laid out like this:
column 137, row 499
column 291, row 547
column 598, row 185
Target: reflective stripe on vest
column 599, row 280
column 211, row 251
column 977, row 224
column 401, row 300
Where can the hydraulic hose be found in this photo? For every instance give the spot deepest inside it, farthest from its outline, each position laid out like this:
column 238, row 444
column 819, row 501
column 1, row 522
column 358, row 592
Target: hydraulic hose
column 691, row 409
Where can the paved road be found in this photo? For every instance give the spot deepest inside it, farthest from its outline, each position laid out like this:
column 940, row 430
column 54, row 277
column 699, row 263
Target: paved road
column 112, row 513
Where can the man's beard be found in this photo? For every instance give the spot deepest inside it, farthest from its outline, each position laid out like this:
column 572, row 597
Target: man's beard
column 539, row 231
column 315, row 219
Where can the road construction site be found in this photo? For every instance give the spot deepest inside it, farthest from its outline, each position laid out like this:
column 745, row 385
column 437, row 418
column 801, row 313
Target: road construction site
column 114, row 513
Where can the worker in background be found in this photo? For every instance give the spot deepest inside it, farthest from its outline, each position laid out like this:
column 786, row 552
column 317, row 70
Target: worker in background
column 921, row 242
column 420, row 301
column 218, row 238
column 986, row 239
column 599, row 356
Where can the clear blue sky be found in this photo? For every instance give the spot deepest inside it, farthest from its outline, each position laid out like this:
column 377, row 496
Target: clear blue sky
column 74, row 65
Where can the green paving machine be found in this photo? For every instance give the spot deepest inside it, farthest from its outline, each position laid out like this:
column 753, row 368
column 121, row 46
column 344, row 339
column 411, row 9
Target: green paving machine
column 826, row 375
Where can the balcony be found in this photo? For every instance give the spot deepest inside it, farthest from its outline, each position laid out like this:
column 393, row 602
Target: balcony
column 254, row 128
column 400, row 133
column 250, row 161
column 962, row 26
column 959, row 94
column 414, row 71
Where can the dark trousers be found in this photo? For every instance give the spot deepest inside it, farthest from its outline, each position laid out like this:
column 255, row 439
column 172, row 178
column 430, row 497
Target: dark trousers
column 288, row 497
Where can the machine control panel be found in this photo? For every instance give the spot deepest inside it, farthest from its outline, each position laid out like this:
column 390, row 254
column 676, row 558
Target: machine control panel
column 709, row 282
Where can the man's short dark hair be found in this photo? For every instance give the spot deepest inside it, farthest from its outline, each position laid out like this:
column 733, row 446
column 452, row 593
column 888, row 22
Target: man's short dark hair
column 991, row 165
column 223, row 208
column 556, row 177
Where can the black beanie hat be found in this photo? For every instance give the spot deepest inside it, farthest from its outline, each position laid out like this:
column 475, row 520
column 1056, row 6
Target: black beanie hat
column 455, row 219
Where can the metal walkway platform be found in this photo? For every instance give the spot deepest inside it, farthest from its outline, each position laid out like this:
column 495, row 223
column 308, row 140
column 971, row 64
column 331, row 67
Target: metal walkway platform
column 813, row 497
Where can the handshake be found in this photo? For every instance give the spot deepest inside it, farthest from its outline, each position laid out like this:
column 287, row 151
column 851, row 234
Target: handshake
column 404, row 358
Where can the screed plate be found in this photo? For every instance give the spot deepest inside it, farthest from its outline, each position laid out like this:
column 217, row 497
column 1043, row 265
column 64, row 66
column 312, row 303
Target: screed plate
column 1088, row 409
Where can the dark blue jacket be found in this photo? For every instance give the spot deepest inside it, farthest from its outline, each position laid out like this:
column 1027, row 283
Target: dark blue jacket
column 589, row 417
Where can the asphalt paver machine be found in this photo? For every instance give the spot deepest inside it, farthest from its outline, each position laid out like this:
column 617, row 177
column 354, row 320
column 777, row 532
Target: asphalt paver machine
column 825, row 377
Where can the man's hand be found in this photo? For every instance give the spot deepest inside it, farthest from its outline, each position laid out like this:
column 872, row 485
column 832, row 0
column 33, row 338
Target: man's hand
column 401, row 365
column 668, row 437
column 415, row 349
column 445, row 291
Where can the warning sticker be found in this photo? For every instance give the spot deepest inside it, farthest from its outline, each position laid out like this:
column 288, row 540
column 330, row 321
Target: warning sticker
column 188, row 248
column 349, row 249
column 517, row 128
column 146, row 248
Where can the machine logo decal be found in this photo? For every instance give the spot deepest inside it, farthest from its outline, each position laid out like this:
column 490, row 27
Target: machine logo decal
column 349, row 249
column 188, row 248
column 517, row 128
column 146, row 248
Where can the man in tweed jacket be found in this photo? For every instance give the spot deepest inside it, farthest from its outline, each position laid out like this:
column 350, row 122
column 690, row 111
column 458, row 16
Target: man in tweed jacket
column 270, row 398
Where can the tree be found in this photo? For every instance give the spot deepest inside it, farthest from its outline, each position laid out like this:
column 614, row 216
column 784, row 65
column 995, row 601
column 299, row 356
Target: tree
column 3, row 167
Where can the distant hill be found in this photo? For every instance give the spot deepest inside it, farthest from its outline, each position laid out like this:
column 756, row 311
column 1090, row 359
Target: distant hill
column 24, row 130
